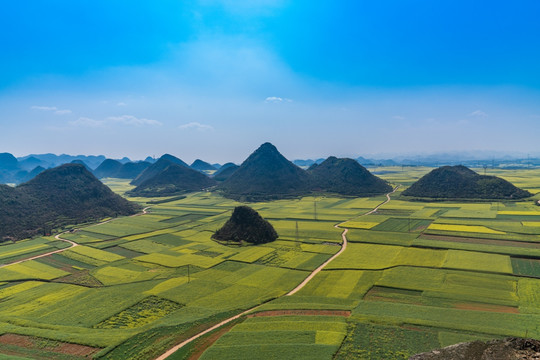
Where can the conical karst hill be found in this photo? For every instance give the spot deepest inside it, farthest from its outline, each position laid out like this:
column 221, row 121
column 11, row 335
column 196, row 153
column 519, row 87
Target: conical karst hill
column 108, row 168
column 174, row 179
column 202, row 165
column 246, row 225
column 225, row 171
column 266, row 174
column 67, row 194
column 346, row 177
column 157, row 167
column 460, row 182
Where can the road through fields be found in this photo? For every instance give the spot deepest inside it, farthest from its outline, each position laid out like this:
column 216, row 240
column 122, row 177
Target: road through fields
column 293, row 291
column 57, row 237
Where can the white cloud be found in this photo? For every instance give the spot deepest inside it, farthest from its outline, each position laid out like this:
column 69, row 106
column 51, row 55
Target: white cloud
column 398, row 117
column 52, row 108
column 121, row 104
column 132, row 120
column 87, row 122
column 276, row 99
column 479, row 114
column 62, row 112
column 195, row 126
column 124, row 120
column 44, row 108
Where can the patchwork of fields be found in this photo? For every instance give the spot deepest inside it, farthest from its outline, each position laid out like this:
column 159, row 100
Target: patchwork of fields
column 415, row 276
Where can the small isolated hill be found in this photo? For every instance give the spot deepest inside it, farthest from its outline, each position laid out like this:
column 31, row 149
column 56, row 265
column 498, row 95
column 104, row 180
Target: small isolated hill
column 31, row 163
column 35, row 172
column 131, row 170
column 266, row 174
column 67, row 194
column 346, row 177
column 23, row 175
column 460, row 182
column 157, row 167
column 173, row 179
column 8, row 161
column 247, row 225
column 200, row 165
column 506, row 349
column 225, row 171
column 108, row 168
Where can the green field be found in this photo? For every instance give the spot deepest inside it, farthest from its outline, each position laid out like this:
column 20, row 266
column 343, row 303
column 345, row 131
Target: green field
column 415, row 276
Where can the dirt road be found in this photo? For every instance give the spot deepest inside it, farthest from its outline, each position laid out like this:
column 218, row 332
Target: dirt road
column 72, row 243
column 293, row 291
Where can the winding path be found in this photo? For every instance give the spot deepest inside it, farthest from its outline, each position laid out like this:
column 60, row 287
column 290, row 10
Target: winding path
column 293, row 291
column 72, row 243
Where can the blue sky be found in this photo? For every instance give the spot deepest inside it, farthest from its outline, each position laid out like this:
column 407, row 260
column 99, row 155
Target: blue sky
column 215, row 78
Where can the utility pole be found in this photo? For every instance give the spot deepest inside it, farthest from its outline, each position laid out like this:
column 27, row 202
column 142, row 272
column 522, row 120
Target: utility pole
column 315, row 207
column 409, row 224
column 297, row 235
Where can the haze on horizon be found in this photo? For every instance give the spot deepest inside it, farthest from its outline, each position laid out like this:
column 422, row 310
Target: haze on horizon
column 213, row 79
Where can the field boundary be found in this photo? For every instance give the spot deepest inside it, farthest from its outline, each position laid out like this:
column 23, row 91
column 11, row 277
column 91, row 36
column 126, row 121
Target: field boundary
column 293, row 291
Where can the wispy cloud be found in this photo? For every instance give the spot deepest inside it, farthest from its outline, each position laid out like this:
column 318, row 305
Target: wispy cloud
column 87, row 122
column 62, row 112
column 133, row 120
column 123, row 120
column 195, row 126
column 52, row 109
column 478, row 114
column 121, row 103
column 398, row 117
column 276, row 99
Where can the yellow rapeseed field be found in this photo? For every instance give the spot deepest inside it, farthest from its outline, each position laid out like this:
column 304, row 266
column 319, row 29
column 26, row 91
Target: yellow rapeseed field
column 464, row 228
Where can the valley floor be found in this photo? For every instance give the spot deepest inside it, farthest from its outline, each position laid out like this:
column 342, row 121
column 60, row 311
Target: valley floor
column 415, row 276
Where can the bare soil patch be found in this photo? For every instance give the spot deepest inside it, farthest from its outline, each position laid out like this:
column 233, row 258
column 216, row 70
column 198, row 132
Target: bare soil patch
column 35, row 343
column 209, row 341
column 487, row 307
column 344, row 313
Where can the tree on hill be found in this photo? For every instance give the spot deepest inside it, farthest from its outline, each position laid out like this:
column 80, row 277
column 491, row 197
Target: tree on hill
column 247, row 225
column 460, row 182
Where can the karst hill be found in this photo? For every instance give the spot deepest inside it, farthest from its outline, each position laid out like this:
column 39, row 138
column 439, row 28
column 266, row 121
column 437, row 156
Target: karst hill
column 460, row 182
column 246, row 225
column 67, row 194
column 173, row 179
column 266, row 174
column 346, row 177
column 161, row 164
